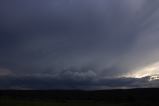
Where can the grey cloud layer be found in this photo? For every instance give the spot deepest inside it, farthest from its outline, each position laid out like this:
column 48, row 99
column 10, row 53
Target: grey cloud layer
column 108, row 37
column 45, row 82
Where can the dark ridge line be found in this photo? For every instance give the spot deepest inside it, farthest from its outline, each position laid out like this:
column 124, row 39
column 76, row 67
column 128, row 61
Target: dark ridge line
column 82, row 90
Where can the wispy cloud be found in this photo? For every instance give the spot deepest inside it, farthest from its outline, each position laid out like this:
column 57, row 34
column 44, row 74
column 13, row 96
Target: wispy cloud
column 5, row 72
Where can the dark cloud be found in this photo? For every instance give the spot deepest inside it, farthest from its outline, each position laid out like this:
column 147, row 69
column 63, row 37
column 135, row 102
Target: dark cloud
column 47, row 82
column 78, row 39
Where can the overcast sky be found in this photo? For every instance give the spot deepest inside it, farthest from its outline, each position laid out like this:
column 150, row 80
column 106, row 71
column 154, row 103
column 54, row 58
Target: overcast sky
column 78, row 44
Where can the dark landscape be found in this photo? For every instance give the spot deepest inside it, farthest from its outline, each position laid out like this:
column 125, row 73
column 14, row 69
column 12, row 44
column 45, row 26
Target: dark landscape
column 131, row 97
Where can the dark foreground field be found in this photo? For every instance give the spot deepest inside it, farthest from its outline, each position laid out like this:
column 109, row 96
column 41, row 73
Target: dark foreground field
column 133, row 97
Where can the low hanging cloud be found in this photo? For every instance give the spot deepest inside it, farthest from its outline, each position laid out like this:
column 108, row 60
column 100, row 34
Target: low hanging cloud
column 45, row 82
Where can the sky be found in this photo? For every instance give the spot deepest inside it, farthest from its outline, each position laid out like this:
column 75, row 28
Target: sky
column 79, row 44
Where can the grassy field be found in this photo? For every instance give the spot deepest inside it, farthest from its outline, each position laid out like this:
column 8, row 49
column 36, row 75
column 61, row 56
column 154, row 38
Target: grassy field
column 136, row 97
column 12, row 102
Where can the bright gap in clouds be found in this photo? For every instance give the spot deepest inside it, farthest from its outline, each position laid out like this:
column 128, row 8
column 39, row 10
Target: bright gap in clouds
column 151, row 70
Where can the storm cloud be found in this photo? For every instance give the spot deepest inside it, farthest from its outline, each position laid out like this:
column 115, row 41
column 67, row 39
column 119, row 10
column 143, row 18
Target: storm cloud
column 84, row 40
column 64, row 82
